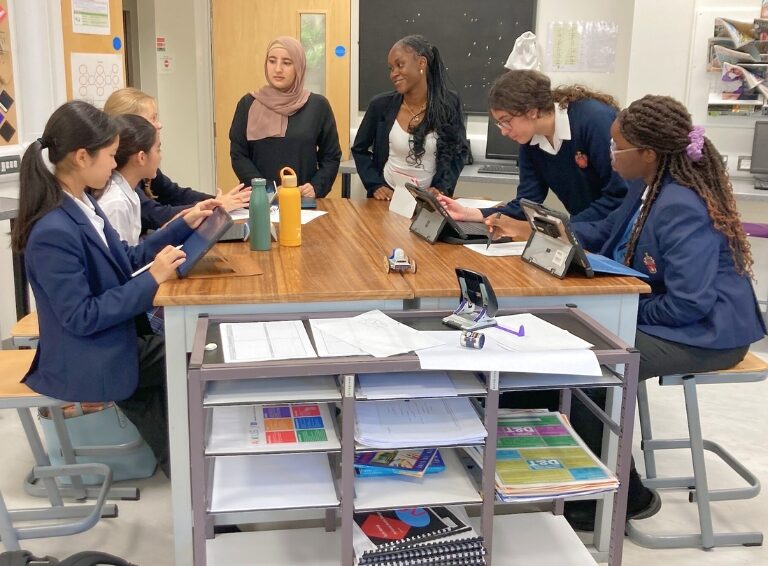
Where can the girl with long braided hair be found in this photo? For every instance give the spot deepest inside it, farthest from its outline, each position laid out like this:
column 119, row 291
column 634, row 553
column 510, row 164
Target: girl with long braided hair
column 417, row 131
column 564, row 136
column 679, row 225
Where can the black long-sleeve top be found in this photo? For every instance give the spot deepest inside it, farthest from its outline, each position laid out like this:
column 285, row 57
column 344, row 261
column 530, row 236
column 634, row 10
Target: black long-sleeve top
column 170, row 200
column 310, row 146
column 371, row 147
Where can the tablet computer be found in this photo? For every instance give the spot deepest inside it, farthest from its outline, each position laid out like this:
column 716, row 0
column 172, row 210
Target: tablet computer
column 432, row 221
column 553, row 246
column 203, row 237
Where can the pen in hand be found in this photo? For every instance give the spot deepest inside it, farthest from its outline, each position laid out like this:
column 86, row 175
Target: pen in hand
column 493, row 231
column 150, row 264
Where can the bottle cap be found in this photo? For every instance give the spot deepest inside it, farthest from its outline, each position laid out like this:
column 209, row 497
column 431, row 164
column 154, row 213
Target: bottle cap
column 256, row 181
column 288, row 177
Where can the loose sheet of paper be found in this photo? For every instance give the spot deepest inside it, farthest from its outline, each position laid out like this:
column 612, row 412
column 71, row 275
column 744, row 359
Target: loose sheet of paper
column 328, row 345
column 377, row 334
column 477, row 203
column 402, row 202
column 261, row 341
column 537, row 335
column 493, row 357
column 498, row 250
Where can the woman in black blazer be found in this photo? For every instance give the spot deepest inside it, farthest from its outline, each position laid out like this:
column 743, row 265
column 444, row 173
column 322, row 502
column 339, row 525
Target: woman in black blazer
column 421, row 120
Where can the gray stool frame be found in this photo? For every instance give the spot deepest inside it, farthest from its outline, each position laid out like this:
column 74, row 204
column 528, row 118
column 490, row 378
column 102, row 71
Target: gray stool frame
column 73, row 519
column 700, row 492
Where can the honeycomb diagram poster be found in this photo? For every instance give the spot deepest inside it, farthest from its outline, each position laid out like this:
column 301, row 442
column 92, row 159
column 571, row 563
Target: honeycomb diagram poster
column 96, row 75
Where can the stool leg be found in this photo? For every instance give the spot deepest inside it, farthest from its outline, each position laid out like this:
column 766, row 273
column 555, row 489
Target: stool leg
column 697, row 456
column 57, row 414
column 40, row 455
column 646, row 432
column 7, row 532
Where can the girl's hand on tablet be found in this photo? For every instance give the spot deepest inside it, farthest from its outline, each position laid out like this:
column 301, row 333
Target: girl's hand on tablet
column 165, row 264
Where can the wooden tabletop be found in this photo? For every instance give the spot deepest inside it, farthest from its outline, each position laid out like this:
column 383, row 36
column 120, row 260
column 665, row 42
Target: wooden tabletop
column 337, row 261
column 510, row 276
column 342, row 259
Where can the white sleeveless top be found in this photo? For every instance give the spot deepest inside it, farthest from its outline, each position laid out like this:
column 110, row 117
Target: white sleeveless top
column 397, row 170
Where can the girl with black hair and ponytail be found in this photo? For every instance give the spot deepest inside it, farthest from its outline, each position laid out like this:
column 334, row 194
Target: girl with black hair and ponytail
column 417, row 131
column 679, row 225
column 95, row 341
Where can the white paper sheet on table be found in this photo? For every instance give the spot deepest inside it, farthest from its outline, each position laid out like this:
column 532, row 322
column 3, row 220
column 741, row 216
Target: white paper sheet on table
column 406, row 385
column 261, row 341
column 498, row 250
column 493, row 357
column 378, row 334
column 477, row 203
column 328, row 345
column 538, row 336
column 306, row 215
column 402, row 202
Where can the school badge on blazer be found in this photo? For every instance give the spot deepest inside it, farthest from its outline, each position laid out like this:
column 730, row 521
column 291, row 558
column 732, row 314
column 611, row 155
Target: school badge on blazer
column 650, row 263
column 581, row 159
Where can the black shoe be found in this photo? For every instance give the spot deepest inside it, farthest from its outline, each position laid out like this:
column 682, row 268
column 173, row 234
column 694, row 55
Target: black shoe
column 581, row 514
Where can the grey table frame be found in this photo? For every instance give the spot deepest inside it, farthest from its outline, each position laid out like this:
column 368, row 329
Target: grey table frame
column 200, row 373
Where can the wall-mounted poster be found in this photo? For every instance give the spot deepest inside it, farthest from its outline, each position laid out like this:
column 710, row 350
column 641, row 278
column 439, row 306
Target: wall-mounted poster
column 96, row 75
column 8, row 135
column 90, row 16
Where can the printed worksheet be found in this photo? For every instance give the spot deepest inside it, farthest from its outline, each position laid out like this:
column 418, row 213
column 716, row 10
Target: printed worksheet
column 262, row 341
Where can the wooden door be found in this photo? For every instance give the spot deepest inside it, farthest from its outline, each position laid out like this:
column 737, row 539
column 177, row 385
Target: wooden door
column 241, row 31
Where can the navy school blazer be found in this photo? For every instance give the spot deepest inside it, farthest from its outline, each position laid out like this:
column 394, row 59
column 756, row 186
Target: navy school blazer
column 86, row 304
column 697, row 297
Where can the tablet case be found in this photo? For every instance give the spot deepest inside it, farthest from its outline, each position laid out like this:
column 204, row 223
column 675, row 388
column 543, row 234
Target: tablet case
column 203, row 237
column 432, row 222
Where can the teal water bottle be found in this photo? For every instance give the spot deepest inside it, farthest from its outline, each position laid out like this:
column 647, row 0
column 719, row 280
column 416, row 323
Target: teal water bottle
column 258, row 216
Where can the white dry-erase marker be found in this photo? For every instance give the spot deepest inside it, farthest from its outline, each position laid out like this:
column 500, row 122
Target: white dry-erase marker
column 143, row 269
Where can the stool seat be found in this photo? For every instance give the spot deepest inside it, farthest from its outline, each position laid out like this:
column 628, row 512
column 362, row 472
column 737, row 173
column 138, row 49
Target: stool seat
column 26, row 327
column 750, row 369
column 14, row 364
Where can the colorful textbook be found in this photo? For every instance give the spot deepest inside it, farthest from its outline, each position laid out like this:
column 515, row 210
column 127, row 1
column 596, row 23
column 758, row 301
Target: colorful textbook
column 414, row 463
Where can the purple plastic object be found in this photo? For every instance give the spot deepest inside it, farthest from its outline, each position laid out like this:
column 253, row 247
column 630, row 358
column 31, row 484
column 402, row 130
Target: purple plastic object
column 755, row 229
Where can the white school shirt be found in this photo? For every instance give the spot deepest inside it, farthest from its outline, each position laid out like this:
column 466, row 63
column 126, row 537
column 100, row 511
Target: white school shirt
column 397, row 170
column 122, row 206
column 562, row 132
column 90, row 211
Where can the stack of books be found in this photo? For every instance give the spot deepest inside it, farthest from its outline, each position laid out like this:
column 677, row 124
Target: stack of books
column 412, row 463
column 539, row 456
column 421, row 535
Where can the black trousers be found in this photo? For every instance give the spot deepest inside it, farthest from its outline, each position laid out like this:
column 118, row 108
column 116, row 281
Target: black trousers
column 147, row 408
column 657, row 357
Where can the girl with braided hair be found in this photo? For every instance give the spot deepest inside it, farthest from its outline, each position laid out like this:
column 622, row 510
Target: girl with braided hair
column 415, row 131
column 564, row 137
column 680, row 226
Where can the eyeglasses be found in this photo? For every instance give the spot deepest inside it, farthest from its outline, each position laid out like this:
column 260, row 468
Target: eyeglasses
column 615, row 152
column 502, row 124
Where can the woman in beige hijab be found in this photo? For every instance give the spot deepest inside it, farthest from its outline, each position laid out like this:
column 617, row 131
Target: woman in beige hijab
column 283, row 124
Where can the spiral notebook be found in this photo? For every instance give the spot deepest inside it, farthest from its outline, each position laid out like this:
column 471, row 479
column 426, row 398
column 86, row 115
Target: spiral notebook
column 463, row 552
column 386, row 531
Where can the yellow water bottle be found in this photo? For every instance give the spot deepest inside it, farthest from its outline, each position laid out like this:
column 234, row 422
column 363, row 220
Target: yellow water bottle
column 289, row 199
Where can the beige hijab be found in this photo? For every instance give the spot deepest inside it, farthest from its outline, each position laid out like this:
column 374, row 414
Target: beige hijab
column 268, row 115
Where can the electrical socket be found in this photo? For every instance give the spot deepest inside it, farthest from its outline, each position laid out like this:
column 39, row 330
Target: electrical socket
column 745, row 163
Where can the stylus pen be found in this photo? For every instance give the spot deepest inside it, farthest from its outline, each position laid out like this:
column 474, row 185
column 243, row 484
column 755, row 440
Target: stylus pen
column 143, row 269
column 493, row 231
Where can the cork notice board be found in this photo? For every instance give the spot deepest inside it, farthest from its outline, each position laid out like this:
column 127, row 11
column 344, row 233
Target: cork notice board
column 99, row 59
column 8, row 135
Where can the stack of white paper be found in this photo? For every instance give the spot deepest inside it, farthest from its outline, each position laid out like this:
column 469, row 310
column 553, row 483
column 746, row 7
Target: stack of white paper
column 376, row 334
column 406, row 385
column 418, row 422
column 327, row 344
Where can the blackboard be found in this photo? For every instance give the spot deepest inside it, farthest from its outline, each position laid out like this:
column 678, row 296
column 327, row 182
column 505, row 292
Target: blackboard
column 474, row 38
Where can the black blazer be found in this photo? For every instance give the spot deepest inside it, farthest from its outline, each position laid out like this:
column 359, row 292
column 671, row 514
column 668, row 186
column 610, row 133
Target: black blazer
column 371, row 147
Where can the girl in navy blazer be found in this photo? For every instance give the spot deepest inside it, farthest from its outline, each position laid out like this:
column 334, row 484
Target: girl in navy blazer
column 680, row 226
column 95, row 343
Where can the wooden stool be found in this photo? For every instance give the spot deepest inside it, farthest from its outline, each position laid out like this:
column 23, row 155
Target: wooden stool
column 751, row 369
column 26, row 332
column 71, row 519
